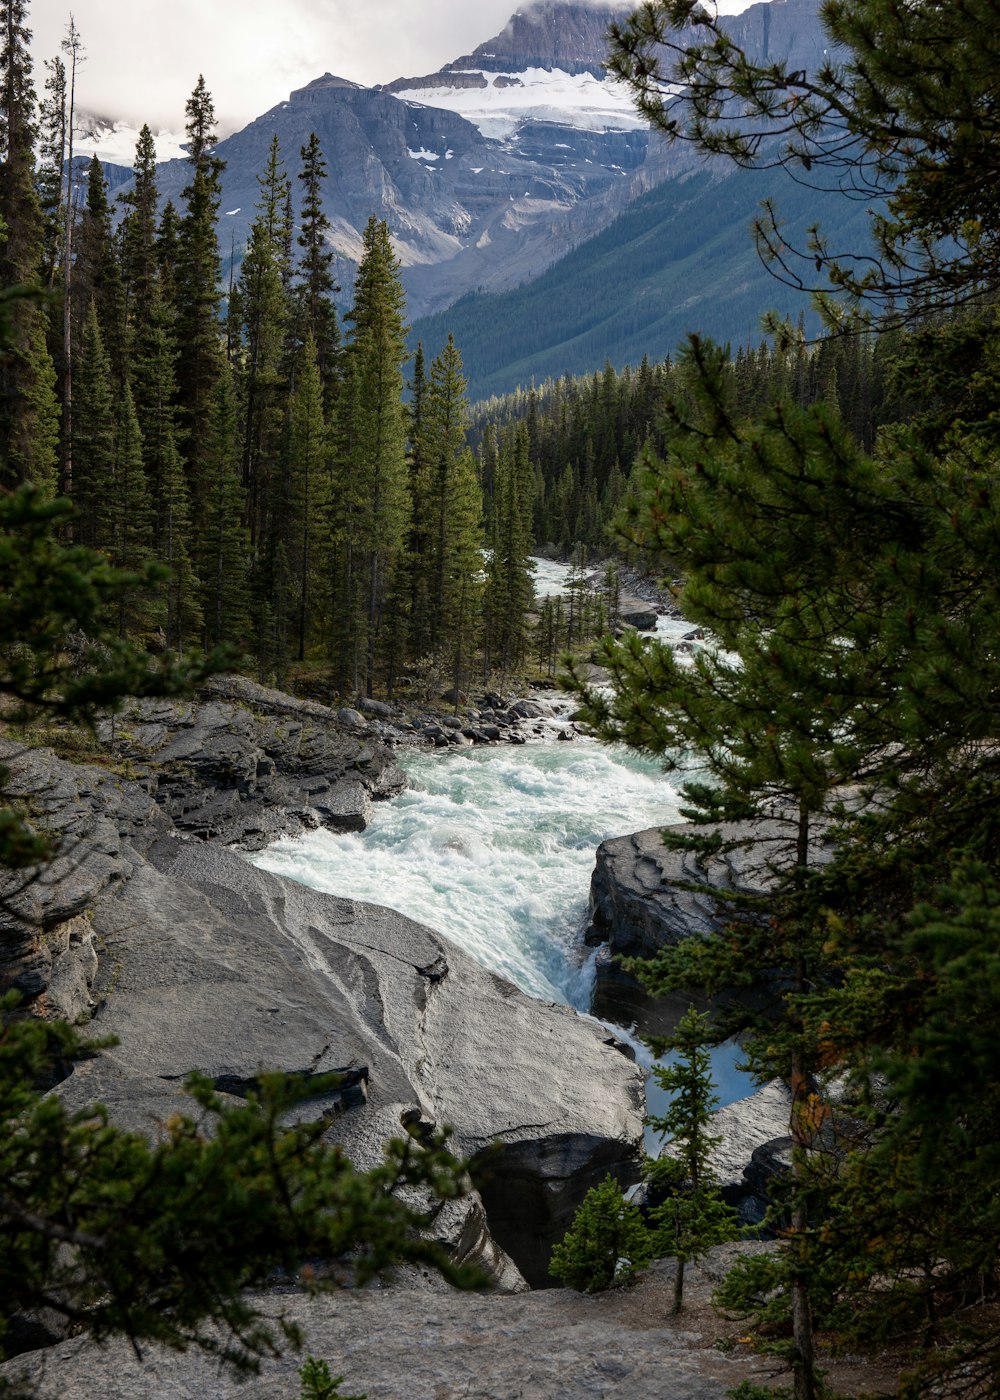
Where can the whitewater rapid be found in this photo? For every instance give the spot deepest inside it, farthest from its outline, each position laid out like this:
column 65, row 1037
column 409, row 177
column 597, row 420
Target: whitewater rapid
column 494, row 847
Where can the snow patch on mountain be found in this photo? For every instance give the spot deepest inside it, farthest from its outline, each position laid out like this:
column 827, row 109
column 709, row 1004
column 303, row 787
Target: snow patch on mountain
column 114, row 141
column 537, row 94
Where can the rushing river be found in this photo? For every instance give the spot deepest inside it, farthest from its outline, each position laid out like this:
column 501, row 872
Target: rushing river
column 494, row 847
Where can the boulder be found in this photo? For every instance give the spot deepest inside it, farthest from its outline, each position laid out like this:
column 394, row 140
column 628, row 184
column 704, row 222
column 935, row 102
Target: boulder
column 641, row 898
column 530, row 709
column 376, row 707
column 637, row 613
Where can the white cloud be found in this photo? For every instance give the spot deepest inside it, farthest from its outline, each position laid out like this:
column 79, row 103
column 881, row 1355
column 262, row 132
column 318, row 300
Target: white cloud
column 143, row 58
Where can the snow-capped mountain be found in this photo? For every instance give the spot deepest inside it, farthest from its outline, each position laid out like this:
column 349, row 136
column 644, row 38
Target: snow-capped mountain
column 488, row 171
column 504, row 101
column 547, row 65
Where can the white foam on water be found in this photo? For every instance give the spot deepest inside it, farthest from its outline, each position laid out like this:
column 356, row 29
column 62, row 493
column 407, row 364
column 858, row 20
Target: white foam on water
column 494, row 848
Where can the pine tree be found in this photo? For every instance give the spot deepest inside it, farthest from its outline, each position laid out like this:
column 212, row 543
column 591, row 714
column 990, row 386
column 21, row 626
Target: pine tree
column 309, row 488
column 418, row 545
column 606, row 1243
column 693, row 1217
column 509, row 587
column 196, row 292
column 263, row 308
column 127, row 512
column 139, row 259
column 27, row 399
column 21, row 250
column 224, row 547
column 52, row 157
column 375, row 476
column 93, row 436
column 451, row 506
column 96, row 272
column 154, row 385
column 168, row 253
column 317, row 315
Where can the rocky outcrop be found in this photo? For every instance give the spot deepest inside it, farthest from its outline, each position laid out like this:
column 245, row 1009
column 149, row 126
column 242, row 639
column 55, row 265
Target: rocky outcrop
column 207, row 963
column 546, row 34
column 243, row 764
column 645, row 895
column 637, row 613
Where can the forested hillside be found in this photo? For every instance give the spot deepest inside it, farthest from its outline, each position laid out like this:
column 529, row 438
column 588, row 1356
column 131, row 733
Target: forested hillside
column 276, row 483
column 584, row 434
column 680, row 259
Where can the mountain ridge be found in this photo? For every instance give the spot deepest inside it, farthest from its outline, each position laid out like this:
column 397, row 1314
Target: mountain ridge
column 489, row 181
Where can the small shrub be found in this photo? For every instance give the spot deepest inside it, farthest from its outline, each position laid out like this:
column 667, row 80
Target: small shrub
column 318, row 1384
column 606, row 1243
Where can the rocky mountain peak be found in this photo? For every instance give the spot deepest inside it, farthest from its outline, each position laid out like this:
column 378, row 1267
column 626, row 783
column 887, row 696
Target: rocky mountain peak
column 549, row 34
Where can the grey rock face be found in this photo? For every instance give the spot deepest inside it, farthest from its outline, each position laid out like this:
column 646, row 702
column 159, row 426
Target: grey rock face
column 637, row 613
column 245, row 764
column 639, row 903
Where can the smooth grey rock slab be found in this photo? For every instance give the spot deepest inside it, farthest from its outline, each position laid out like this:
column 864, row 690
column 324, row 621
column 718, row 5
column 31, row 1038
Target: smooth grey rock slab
column 211, row 964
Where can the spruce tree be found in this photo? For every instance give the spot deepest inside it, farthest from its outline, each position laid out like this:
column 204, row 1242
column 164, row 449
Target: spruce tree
column 263, row 307
column 93, row 436
column 127, row 515
column 140, row 273
column 447, row 558
column 190, row 274
column 309, row 489
column 418, row 457
column 606, row 1243
column 692, row 1217
column 317, row 314
column 374, row 476
column 97, row 274
column 224, row 547
column 27, row 398
column 509, row 587
column 52, row 156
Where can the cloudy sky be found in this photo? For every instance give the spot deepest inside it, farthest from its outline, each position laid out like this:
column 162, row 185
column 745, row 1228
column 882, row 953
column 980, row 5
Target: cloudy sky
column 144, row 56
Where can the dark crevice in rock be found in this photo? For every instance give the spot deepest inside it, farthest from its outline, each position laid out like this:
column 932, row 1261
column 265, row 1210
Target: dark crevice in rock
column 350, row 1091
column 531, row 1190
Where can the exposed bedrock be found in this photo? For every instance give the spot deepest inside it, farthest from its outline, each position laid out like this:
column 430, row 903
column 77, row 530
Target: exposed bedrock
column 552, row 1345
column 243, row 764
column 204, row 962
column 641, row 901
